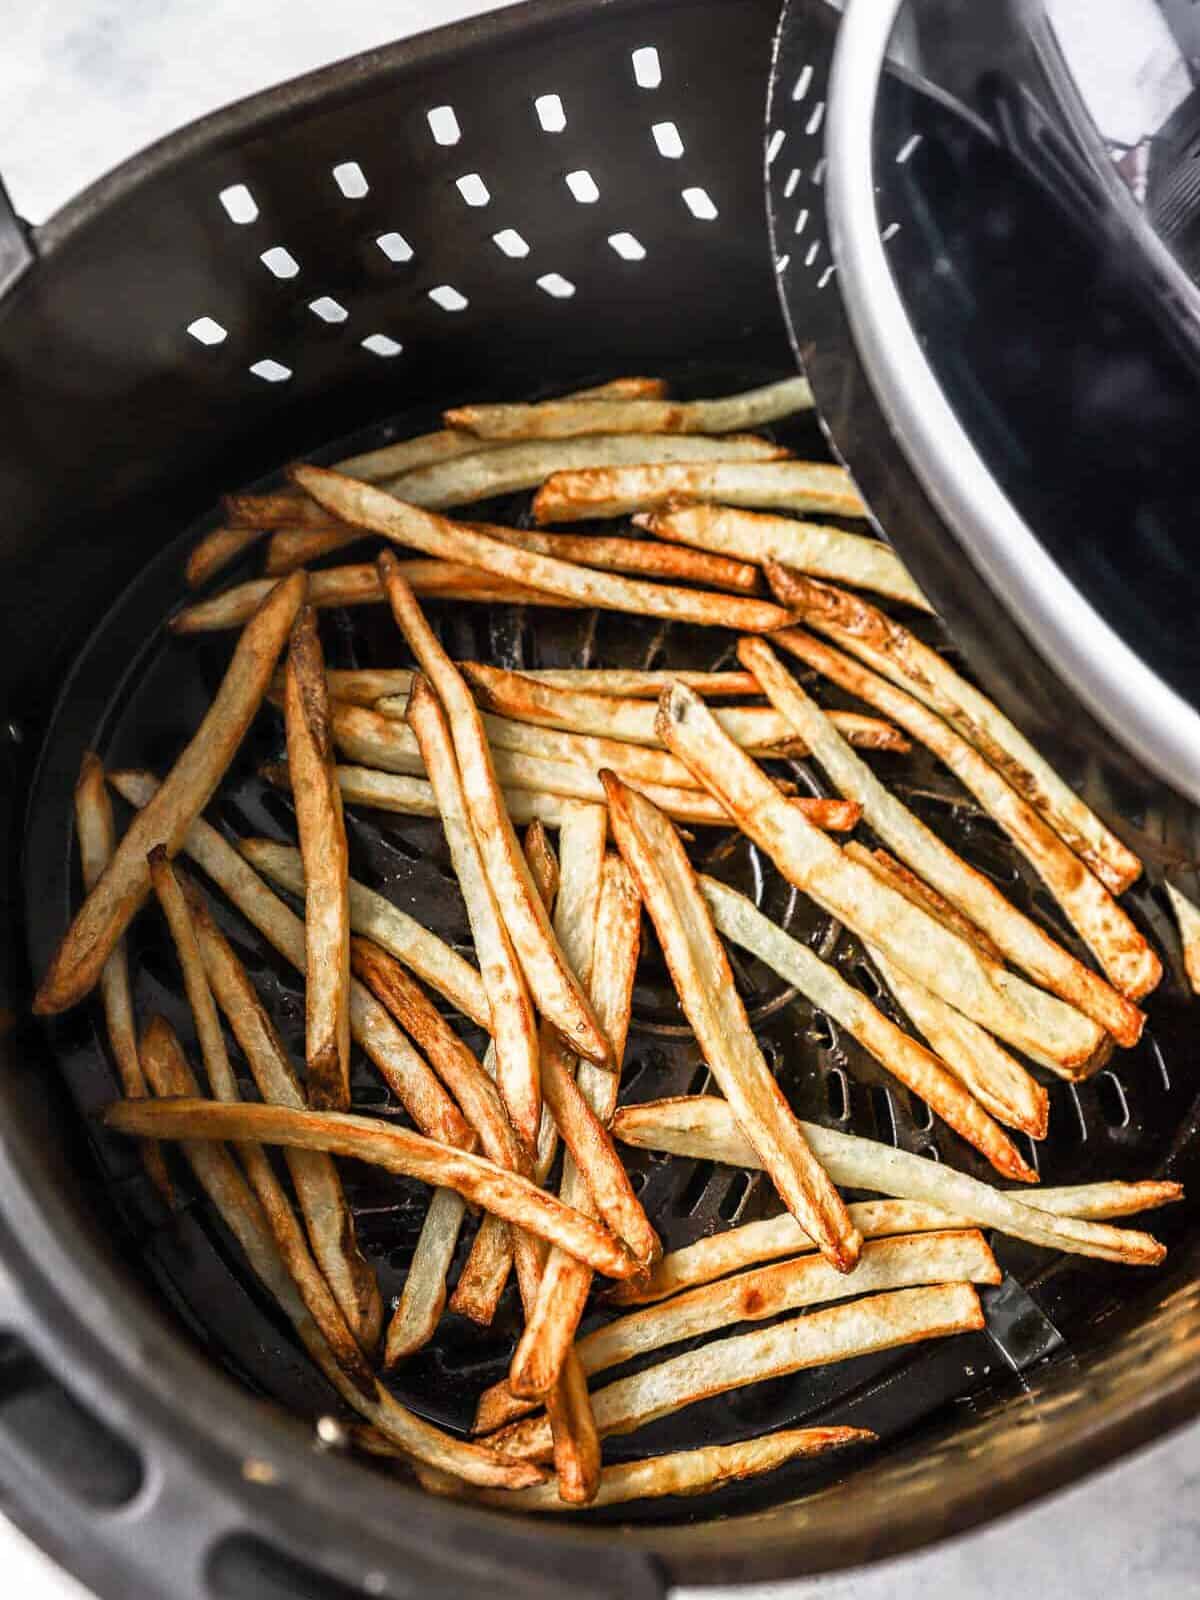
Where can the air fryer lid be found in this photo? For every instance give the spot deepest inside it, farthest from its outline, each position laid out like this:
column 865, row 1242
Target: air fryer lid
column 1011, row 271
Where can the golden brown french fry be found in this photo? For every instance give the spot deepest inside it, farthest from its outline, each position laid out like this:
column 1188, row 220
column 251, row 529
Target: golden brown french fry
column 936, row 1256
column 879, row 1322
column 705, row 1128
column 318, row 803
column 569, row 419
column 888, row 647
column 680, row 1472
column 573, row 495
column 323, row 1205
column 633, row 683
column 376, row 918
column 999, row 1001
column 521, row 696
column 216, row 550
column 513, row 1027
column 408, row 525
column 223, row 1182
column 555, row 989
column 275, row 508
column 360, row 586
column 399, row 1064
column 919, row 893
column 653, row 852
column 384, row 1145
column 1114, row 940
column 809, row 546
column 187, row 789
column 910, row 1062
column 97, row 840
column 754, row 1242
column 514, row 467
column 1023, row 941
column 447, row 444
column 1188, row 918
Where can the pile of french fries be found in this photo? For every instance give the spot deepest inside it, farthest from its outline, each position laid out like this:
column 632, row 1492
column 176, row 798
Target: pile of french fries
column 622, row 764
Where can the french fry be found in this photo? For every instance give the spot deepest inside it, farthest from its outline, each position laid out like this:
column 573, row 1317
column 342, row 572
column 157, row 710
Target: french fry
column 423, row 1297
column 407, row 525
column 413, row 797
column 569, row 419
column 398, row 1063
column 125, row 883
column 218, row 1174
column 700, row 969
column 215, row 552
column 889, row 648
column 513, row 1027
column 941, row 1256
column 394, row 1149
column 514, row 467
column 999, row 1001
column 360, row 586
column 553, row 986
column 809, row 546
column 879, row 1322
column 447, row 444
column 318, row 803
column 738, row 919
column 323, row 1205
column 636, row 683
column 1188, row 918
column 614, row 490
column 719, row 1254
column 97, row 840
column 275, row 508
column 705, row 1128
column 1114, row 940
column 376, row 918
column 1023, row 941
column 760, row 728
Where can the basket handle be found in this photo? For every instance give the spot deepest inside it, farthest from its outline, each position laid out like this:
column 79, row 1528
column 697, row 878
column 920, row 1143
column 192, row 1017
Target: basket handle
column 16, row 248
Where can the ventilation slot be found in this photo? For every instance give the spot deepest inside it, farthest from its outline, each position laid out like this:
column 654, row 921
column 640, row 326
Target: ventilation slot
column 395, row 246
column 700, row 204
column 207, row 330
column 885, row 1114
column 351, row 180
column 1114, row 1106
column 647, row 69
column 667, row 140
column 239, row 203
column 735, row 1196
column 443, row 124
column 550, row 113
column 583, row 187
column 688, row 1200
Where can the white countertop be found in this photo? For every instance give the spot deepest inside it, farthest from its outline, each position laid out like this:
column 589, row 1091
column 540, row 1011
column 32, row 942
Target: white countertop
column 85, row 83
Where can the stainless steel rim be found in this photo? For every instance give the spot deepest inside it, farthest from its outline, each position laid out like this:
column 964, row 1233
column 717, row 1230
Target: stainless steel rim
column 1122, row 692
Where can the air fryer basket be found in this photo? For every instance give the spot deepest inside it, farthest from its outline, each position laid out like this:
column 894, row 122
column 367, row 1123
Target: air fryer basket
column 124, row 1447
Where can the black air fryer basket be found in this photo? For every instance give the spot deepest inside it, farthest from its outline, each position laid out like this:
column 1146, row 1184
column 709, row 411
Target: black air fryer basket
column 508, row 208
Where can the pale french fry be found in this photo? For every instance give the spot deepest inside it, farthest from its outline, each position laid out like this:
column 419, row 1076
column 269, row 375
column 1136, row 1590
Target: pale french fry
column 423, row 1298
column 653, row 852
column 376, row 918
column 360, row 586
column 888, row 647
column 722, row 1253
column 941, row 1256
column 522, row 696
column 569, row 419
column 999, row 1001
column 323, row 848
column 1023, row 941
column 910, row 1062
column 97, row 840
column 614, row 490
column 218, row 1174
column 407, row 525
column 1114, row 940
column 513, row 1027
column 636, row 683
column 413, row 797
column 554, row 988
column 705, row 1128
column 125, row 883
column 399, row 1064
column 681, row 1472
column 514, row 467
column 215, row 551
column 327, row 1216
column 448, row 443
column 394, row 1149
column 809, row 546
column 879, row 1322
column 1188, row 918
